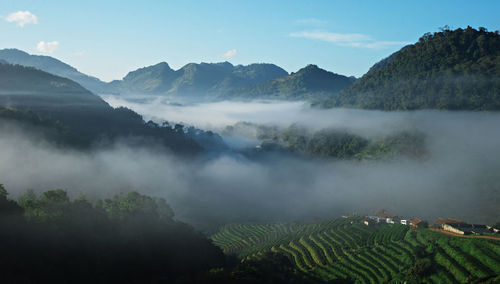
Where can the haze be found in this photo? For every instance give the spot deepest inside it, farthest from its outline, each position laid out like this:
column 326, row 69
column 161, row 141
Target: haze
column 458, row 177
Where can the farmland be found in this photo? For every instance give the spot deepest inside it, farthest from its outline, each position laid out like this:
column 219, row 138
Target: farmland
column 346, row 249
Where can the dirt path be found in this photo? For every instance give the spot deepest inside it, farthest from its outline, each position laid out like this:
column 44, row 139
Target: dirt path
column 462, row 236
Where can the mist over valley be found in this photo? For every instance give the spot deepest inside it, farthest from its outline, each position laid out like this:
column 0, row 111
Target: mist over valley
column 321, row 143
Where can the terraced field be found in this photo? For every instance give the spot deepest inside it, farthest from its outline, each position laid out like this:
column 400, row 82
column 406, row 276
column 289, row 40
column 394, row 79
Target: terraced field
column 347, row 249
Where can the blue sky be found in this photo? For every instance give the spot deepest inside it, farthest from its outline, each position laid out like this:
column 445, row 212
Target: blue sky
column 107, row 39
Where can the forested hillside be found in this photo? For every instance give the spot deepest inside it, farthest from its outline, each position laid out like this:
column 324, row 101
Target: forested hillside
column 451, row 69
column 130, row 238
column 200, row 81
column 53, row 66
column 308, row 83
column 333, row 143
column 86, row 116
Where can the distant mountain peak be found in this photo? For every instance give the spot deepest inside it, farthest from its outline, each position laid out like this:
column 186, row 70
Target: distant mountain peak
column 225, row 64
column 311, row 67
column 163, row 64
column 51, row 65
column 14, row 51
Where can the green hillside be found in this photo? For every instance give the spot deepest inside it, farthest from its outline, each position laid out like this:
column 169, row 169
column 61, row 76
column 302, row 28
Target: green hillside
column 128, row 238
column 53, row 66
column 310, row 82
column 452, row 69
column 333, row 143
column 204, row 80
column 348, row 250
column 86, row 116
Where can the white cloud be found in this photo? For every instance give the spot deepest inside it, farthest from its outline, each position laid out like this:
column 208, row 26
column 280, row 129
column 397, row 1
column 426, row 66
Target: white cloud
column 230, row 53
column 47, row 47
column 22, row 18
column 353, row 40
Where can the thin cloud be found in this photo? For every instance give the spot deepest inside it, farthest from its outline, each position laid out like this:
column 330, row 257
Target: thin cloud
column 310, row 22
column 230, row 53
column 385, row 44
column 47, row 47
column 352, row 40
column 332, row 37
column 22, row 18
column 79, row 53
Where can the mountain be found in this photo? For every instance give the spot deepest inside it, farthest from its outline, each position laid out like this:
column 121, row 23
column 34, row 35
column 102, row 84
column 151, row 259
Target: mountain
column 152, row 79
column 204, row 80
column 310, row 82
column 451, row 69
column 214, row 81
column 53, row 66
column 85, row 115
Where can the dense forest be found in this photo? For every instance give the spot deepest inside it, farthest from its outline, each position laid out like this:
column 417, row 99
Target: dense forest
column 451, row 69
column 200, row 81
column 309, row 83
column 333, row 143
column 129, row 238
column 87, row 119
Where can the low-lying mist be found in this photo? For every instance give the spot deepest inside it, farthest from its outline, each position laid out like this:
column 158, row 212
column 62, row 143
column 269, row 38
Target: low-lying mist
column 458, row 178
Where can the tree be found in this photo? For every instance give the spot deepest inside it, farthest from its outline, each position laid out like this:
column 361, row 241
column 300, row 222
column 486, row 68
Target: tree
column 8, row 207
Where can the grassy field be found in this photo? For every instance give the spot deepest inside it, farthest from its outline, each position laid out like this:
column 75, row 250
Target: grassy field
column 346, row 249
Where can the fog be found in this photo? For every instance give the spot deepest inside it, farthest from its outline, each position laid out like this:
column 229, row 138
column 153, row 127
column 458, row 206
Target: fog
column 217, row 115
column 458, row 178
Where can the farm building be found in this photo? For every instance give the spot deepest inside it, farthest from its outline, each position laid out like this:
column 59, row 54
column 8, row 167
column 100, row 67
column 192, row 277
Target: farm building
column 465, row 229
column 495, row 230
column 384, row 214
column 377, row 219
column 414, row 223
column 369, row 222
column 441, row 221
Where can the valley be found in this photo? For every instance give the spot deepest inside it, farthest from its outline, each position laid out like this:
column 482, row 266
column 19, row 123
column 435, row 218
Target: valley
column 227, row 168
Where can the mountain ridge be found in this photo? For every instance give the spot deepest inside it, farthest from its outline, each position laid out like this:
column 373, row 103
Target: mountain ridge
column 451, row 69
column 51, row 65
column 87, row 116
column 310, row 82
column 195, row 79
column 199, row 81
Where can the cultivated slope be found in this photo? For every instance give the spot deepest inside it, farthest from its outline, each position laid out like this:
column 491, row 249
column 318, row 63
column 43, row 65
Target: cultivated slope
column 346, row 249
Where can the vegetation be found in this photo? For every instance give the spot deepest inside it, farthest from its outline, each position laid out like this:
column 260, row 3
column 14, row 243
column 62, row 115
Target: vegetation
column 347, row 250
column 130, row 238
column 86, row 116
column 451, row 69
column 334, row 143
column 309, row 83
column 225, row 81
column 53, row 66
column 204, row 80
